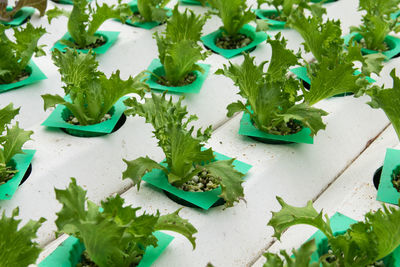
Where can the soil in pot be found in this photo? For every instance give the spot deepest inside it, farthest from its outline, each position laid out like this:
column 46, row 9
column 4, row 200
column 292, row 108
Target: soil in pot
column 22, row 76
column 99, row 42
column 272, row 16
column 67, row 116
column 189, row 79
column 202, row 182
column 295, row 128
column 87, row 262
column 11, row 175
column 396, row 178
column 229, row 42
column 377, row 177
column 136, row 17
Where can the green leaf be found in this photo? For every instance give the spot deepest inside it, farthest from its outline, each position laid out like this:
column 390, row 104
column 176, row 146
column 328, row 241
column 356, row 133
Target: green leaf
column 178, row 48
column 235, row 107
column 230, row 180
column 290, row 215
column 233, row 13
column 92, row 94
column 137, row 168
column 174, row 222
column 55, row 13
column 17, row 247
column 153, row 10
column 5, row 15
column 377, row 22
column 301, row 257
column 310, row 117
column 388, row 100
column 13, row 141
column 106, row 12
column 15, row 53
column 114, row 236
column 7, row 114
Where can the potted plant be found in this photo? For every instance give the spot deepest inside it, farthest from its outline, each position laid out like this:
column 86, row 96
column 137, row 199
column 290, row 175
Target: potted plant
column 110, row 234
column 14, row 162
column 340, row 240
column 235, row 36
column 148, row 14
column 190, row 172
column 17, row 245
column 275, row 111
column 83, row 23
column 276, row 18
column 16, row 67
column 177, row 68
column 333, row 68
column 93, row 104
column 378, row 23
column 23, row 9
column 386, row 179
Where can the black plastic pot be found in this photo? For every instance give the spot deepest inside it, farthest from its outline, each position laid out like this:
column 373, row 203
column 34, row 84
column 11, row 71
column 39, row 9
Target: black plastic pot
column 377, row 177
column 185, row 203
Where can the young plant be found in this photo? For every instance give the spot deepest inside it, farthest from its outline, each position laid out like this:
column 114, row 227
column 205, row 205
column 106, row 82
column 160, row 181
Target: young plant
column 92, row 93
column 11, row 141
column 113, row 234
column 272, row 99
column 234, row 15
column 15, row 54
column 8, row 15
column 333, row 71
column 186, row 160
column 151, row 10
column 364, row 243
column 388, row 100
column 84, row 21
column 16, row 245
column 377, row 22
column 285, row 7
column 179, row 50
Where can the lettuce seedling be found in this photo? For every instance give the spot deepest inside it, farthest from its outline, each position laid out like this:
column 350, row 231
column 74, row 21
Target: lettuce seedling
column 272, row 99
column 388, row 100
column 113, row 234
column 16, row 245
column 15, row 54
column 11, row 141
column 92, row 94
column 285, row 7
column 8, row 14
column 84, row 21
column 333, row 71
column 377, row 22
column 234, row 15
column 179, row 50
column 364, row 243
column 186, row 158
column 151, row 10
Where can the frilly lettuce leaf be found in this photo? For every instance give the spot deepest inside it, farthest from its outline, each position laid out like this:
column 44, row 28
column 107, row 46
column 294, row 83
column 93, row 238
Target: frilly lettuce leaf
column 361, row 245
column 153, row 10
column 333, row 71
column 16, row 245
column 377, row 22
column 178, row 48
column 290, row 215
column 16, row 53
column 92, row 93
column 301, row 258
column 5, row 15
column 185, row 153
column 13, row 141
column 84, row 20
column 388, row 100
column 116, row 235
column 233, row 13
column 7, row 114
column 272, row 98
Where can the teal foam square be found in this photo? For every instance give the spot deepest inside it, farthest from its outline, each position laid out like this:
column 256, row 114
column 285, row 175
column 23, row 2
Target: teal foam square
column 258, row 37
column 20, row 17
